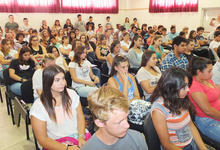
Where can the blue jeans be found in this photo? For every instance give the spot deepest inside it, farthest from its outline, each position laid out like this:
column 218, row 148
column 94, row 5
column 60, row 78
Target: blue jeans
column 16, row 88
column 209, row 127
column 191, row 146
column 85, row 90
column 96, row 71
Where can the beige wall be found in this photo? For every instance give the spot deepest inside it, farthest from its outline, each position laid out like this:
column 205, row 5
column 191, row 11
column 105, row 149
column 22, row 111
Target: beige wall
column 140, row 9
column 130, row 8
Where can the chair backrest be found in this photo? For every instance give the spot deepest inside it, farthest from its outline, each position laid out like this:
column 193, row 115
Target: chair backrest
column 150, row 133
column 6, row 77
column 141, row 92
column 27, row 92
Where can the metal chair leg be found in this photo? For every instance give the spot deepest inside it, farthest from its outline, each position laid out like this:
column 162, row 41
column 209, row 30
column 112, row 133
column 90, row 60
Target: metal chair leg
column 11, row 109
column 27, row 128
column 35, row 141
column 1, row 94
column 7, row 102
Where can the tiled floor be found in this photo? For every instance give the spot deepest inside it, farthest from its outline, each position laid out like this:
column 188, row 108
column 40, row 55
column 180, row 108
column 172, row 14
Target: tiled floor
column 11, row 136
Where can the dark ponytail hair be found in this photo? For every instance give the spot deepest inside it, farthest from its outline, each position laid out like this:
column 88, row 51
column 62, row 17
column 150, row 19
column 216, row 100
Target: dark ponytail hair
column 116, row 61
column 198, row 63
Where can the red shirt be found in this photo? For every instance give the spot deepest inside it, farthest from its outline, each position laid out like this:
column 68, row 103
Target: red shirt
column 213, row 95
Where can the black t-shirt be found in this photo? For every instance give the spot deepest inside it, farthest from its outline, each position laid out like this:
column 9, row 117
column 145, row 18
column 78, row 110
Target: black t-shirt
column 25, row 71
column 92, row 25
column 68, row 26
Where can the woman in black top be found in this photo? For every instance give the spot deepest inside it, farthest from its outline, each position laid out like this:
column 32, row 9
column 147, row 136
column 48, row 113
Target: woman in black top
column 37, row 50
column 21, row 70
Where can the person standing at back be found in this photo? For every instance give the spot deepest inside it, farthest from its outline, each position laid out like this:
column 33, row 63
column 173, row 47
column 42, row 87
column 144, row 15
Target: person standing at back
column 79, row 24
column 11, row 25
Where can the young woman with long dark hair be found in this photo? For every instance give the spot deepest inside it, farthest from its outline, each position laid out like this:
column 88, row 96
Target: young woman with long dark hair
column 149, row 74
column 126, row 84
column 84, row 81
column 115, row 50
column 37, row 50
column 205, row 96
column 21, row 70
column 170, row 112
column 135, row 53
column 56, row 117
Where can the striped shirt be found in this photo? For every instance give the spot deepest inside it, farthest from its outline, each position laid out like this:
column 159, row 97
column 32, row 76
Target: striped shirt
column 178, row 125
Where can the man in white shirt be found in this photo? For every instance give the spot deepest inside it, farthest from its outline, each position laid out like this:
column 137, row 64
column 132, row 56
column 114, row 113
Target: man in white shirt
column 215, row 44
column 25, row 27
column 79, row 24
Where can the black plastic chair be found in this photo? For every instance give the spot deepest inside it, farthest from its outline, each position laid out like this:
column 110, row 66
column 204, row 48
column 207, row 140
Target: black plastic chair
column 141, row 92
column 150, row 134
column 104, row 73
column 21, row 109
column 9, row 95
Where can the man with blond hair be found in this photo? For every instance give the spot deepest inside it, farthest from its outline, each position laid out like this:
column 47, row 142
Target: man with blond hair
column 110, row 110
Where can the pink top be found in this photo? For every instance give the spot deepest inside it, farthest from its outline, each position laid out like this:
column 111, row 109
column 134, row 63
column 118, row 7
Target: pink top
column 213, row 95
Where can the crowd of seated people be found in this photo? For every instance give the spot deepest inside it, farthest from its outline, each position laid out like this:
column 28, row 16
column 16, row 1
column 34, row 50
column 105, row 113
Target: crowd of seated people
column 138, row 59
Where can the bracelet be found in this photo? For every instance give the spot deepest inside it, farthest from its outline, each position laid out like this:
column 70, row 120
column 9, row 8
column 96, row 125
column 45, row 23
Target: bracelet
column 82, row 135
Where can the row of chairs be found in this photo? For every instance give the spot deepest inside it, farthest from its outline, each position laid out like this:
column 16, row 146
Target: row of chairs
column 16, row 107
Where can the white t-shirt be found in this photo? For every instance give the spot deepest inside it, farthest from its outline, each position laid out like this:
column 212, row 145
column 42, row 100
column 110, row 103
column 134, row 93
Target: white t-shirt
column 143, row 75
column 69, row 46
column 25, row 28
column 81, row 72
column 60, row 62
column 65, row 125
column 216, row 73
column 71, row 54
column 165, row 39
column 212, row 46
column 37, row 82
column 126, row 45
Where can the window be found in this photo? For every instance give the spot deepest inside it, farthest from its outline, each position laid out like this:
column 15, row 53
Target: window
column 159, row 6
column 6, row 5
column 50, row 6
column 89, row 6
